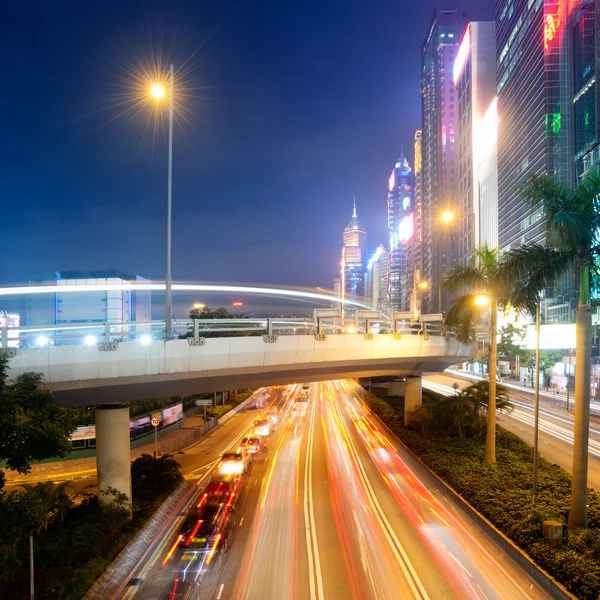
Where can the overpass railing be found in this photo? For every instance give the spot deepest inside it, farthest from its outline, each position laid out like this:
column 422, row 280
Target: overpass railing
column 101, row 333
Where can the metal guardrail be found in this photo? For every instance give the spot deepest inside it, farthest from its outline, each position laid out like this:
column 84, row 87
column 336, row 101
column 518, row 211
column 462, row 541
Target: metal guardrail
column 105, row 334
column 170, row 446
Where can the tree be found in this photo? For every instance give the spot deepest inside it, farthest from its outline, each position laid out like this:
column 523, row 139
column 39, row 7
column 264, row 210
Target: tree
column 477, row 395
column 547, row 360
column 220, row 313
column 32, row 427
column 507, row 347
column 152, row 476
column 485, row 276
column 572, row 220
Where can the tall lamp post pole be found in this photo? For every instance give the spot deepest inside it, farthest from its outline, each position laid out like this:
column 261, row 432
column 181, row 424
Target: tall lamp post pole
column 537, row 401
column 168, row 279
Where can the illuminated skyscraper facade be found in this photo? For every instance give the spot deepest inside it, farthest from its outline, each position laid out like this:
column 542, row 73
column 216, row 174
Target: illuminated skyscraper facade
column 475, row 80
column 401, row 233
column 439, row 146
column 534, row 63
column 415, row 251
column 376, row 280
column 353, row 256
column 534, row 108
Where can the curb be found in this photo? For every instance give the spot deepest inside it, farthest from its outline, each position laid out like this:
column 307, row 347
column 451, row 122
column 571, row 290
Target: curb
column 545, row 581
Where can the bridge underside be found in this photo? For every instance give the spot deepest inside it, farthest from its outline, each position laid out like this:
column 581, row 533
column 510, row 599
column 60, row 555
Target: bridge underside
column 122, row 389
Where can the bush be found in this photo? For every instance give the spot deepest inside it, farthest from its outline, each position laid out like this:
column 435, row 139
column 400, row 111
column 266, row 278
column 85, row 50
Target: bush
column 502, row 492
column 219, row 411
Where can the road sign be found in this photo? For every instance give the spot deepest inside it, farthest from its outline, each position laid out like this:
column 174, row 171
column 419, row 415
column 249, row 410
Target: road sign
column 203, row 402
column 155, row 421
column 455, row 385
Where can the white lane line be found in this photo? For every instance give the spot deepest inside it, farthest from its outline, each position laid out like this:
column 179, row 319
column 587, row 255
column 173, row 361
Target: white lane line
column 402, row 558
column 312, row 548
column 220, row 591
column 241, row 521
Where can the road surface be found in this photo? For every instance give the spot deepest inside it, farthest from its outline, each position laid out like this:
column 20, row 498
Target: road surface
column 335, row 509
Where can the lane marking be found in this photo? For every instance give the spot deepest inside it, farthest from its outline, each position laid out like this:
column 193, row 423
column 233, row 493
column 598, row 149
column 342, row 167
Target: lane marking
column 312, row 549
column 220, row 591
column 241, row 521
column 402, row 558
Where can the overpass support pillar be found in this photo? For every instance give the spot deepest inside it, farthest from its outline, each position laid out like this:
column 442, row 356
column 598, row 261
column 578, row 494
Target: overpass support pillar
column 412, row 397
column 113, row 454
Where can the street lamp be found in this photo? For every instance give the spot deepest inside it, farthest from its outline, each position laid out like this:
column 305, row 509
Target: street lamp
column 447, row 217
column 199, row 306
column 158, row 92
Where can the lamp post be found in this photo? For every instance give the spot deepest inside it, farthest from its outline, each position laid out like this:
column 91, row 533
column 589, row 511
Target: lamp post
column 157, row 91
column 537, row 400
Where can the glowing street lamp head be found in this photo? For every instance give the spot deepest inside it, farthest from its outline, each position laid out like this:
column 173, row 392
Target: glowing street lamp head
column 424, row 285
column 158, row 91
column 199, row 305
column 447, row 217
column 482, row 300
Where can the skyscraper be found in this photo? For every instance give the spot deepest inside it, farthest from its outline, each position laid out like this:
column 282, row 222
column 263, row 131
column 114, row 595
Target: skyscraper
column 353, row 256
column 440, row 164
column 376, row 280
column 535, row 109
column 585, row 23
column 415, row 250
column 401, row 233
column 475, row 80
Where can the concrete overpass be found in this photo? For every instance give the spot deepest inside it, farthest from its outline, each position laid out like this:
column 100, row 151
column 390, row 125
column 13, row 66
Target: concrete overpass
column 129, row 363
column 82, row 375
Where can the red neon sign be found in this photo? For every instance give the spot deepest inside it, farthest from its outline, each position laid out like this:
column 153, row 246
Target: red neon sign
column 551, row 26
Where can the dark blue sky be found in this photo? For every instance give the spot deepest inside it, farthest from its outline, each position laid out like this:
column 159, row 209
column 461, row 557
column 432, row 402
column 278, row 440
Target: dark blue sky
column 297, row 108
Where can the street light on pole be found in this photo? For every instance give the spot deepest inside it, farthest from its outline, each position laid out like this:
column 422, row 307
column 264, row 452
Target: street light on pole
column 158, row 92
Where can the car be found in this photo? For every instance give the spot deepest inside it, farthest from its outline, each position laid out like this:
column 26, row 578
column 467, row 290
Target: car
column 273, row 417
column 206, row 533
column 221, row 488
column 183, row 590
column 234, row 462
column 253, row 444
column 261, row 427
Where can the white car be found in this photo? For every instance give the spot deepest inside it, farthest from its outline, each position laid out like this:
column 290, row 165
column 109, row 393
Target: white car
column 261, row 427
column 234, row 462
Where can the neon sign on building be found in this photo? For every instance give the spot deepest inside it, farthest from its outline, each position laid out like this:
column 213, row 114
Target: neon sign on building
column 406, row 229
column 551, row 27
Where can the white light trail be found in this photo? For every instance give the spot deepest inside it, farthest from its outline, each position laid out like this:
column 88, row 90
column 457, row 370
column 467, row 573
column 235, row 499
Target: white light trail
column 177, row 287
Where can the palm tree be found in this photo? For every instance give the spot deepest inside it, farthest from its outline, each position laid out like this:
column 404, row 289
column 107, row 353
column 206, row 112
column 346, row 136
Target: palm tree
column 477, row 395
column 152, row 475
column 572, row 221
column 484, row 275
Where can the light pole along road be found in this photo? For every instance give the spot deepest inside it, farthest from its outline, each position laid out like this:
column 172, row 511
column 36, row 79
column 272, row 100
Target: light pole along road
column 333, row 509
column 157, row 91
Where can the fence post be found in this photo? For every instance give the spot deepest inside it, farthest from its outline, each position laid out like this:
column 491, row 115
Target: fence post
column 4, row 338
column 196, row 328
column 107, row 332
column 269, row 326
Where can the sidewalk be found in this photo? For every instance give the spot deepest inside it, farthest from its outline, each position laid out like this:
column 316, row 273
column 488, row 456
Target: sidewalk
column 84, row 468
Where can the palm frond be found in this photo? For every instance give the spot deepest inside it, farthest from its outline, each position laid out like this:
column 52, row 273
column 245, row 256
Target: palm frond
column 570, row 215
column 471, row 278
column 526, row 271
column 462, row 317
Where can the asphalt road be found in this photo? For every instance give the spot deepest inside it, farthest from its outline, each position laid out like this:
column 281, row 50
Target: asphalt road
column 334, row 509
column 555, row 433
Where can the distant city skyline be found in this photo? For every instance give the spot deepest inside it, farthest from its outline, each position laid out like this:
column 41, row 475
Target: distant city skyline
column 274, row 150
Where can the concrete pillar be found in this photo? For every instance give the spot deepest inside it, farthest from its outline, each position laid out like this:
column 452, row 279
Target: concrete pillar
column 412, row 396
column 113, row 454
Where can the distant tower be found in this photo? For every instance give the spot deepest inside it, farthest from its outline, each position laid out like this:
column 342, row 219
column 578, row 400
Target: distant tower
column 401, row 232
column 353, row 256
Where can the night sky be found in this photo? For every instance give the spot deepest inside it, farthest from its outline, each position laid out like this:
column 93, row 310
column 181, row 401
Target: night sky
column 292, row 110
